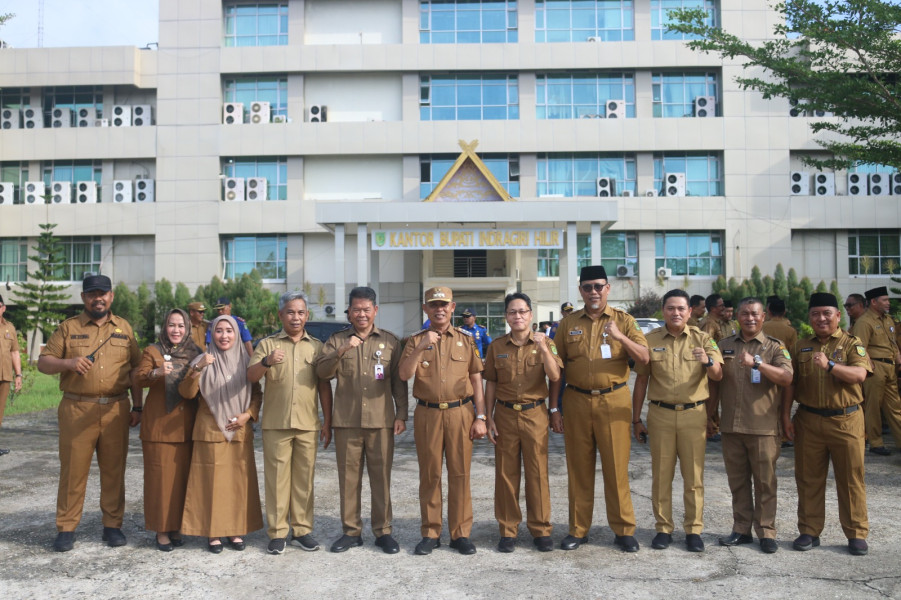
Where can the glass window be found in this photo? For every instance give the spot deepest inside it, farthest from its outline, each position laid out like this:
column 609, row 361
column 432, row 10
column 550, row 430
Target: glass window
column 574, row 96
column 874, row 252
column 74, row 170
column 504, row 167
column 12, row 97
column 579, row 20
column 690, row 252
column 80, row 255
column 15, row 174
column 674, row 93
column 256, row 24
column 274, row 169
column 488, row 314
column 13, row 259
column 548, row 262
column 273, row 90
column 266, row 254
column 468, row 97
column 703, row 172
column 467, row 21
column 871, row 168
column 72, row 97
column 660, row 17
column 576, row 174
column 617, row 248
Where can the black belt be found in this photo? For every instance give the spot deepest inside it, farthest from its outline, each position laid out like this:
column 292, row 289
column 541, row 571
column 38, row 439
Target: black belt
column 678, row 407
column 596, row 392
column 887, row 361
column 445, row 405
column 520, row 407
column 830, row 412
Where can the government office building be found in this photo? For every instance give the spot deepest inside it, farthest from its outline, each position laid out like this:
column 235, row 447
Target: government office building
column 490, row 146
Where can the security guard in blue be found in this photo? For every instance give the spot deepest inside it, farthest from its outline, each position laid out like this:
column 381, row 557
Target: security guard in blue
column 478, row 333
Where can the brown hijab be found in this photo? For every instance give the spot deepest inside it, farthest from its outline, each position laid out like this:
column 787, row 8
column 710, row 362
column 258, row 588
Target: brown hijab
column 224, row 384
column 179, row 355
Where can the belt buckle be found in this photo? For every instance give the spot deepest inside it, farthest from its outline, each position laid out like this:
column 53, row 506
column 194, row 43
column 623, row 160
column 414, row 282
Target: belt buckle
column 595, row 392
column 104, row 400
column 442, row 405
column 679, row 407
column 517, row 407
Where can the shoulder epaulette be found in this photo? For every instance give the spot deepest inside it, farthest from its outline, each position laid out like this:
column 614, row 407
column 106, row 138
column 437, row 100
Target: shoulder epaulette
column 237, row 318
column 463, row 331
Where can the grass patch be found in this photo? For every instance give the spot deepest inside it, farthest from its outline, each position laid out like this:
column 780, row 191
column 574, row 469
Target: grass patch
column 39, row 392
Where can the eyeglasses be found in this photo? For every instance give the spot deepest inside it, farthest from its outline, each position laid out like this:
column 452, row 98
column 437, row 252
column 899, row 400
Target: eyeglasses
column 850, row 304
column 588, row 287
column 519, row 313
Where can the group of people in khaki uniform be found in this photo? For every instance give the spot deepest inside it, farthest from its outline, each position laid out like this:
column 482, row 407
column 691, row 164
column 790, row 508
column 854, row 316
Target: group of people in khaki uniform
column 10, row 363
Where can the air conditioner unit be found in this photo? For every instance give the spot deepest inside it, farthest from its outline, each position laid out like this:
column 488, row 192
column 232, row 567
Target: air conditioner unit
column 60, row 117
column 34, row 192
column 234, row 189
column 879, row 184
column 794, row 111
column 317, row 113
column 256, row 188
column 664, row 273
column 259, row 112
column 824, row 184
column 857, row 184
column 650, row 193
column 628, row 194
column 674, row 184
column 705, row 106
column 232, row 113
column 330, row 310
column 62, row 192
column 9, row 118
column 800, row 183
column 86, row 116
column 101, row 122
column 122, row 191
column 594, row 38
column 821, row 113
column 32, row 118
column 606, row 187
column 142, row 115
column 279, row 119
column 7, row 193
column 625, row 271
column 121, row 115
column 895, row 179
column 615, row 109
column 145, row 190
column 85, row 192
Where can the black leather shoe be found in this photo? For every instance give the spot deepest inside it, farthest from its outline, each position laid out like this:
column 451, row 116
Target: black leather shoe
column 627, row 543
column 214, row 548
column 4, row 451
column 507, row 544
column 463, row 546
column 694, row 543
column 805, row 542
column 769, row 545
column 426, row 545
column 736, row 539
column 176, row 539
column 787, row 444
column 346, row 542
column 113, row 537
column 571, row 542
column 544, row 543
column 661, row 541
column 388, row 544
column 237, row 545
column 65, row 541
column 167, row 547
column 880, row 450
column 858, row 547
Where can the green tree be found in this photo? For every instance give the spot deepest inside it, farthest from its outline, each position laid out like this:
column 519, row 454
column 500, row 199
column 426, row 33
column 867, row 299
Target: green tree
column 839, row 56
column 833, row 289
column 43, row 299
column 756, row 287
column 182, row 296
column 163, row 300
column 250, row 301
column 780, row 283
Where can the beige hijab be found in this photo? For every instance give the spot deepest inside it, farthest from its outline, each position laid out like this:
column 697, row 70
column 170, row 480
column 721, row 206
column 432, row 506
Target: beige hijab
column 224, row 384
column 179, row 355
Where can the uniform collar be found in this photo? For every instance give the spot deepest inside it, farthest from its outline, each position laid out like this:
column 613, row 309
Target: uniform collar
column 760, row 337
column 666, row 332
column 351, row 331
column 84, row 318
column 282, row 334
column 582, row 312
column 530, row 340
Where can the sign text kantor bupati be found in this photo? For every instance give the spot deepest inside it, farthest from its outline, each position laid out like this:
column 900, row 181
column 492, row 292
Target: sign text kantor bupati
column 466, row 239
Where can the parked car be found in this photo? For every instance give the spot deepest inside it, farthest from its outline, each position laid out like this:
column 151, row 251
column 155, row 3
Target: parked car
column 323, row 330
column 647, row 325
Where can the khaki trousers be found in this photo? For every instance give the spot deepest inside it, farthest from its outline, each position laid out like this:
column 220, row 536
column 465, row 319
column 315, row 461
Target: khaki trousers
column 86, row 427
column 881, row 393
column 752, row 458
column 289, row 458
column 444, row 433
column 374, row 447
column 592, row 424
column 678, row 435
column 4, row 394
column 522, row 444
column 817, row 440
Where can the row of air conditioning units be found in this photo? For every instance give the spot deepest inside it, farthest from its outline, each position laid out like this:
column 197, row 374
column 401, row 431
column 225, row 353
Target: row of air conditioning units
column 79, row 192
column 673, row 185
column 261, row 112
column 623, row 271
column 795, row 111
column 251, row 189
column 859, row 184
column 123, row 115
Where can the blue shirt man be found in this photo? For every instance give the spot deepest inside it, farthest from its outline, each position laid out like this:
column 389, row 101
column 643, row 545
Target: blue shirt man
column 565, row 309
column 478, row 333
column 224, row 307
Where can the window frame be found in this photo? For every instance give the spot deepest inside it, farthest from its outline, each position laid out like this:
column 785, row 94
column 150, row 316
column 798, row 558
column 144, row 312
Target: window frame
column 582, row 177
column 714, row 238
column 280, row 262
column 660, row 18
column 714, row 161
column 275, row 92
column 428, row 34
column 881, row 258
column 573, row 109
column 434, row 88
column 545, row 34
column 20, row 266
column 249, row 166
column 230, row 35
column 69, row 267
column 662, row 81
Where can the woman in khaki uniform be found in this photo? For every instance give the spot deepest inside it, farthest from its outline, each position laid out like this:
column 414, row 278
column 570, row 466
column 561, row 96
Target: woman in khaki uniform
column 166, row 427
column 223, row 497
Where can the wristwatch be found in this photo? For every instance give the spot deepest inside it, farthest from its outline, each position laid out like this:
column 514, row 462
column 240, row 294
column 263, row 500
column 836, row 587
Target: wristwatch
column 757, row 361
column 831, row 364
column 553, row 410
column 482, row 417
column 709, row 362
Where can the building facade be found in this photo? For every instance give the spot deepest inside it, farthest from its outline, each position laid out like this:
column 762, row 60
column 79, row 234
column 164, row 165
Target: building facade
column 489, row 146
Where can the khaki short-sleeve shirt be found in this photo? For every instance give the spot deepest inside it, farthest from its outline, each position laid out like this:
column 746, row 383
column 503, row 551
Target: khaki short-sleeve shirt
column 676, row 377
column 817, row 388
column 518, row 371
column 290, row 395
column 877, row 334
column 9, row 343
column 781, row 329
column 443, row 370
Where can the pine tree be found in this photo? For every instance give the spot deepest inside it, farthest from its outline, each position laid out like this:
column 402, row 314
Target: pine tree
column 780, row 283
column 44, row 300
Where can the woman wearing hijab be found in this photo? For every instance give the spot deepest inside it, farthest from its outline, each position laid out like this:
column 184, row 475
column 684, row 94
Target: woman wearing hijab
column 223, row 498
column 166, row 427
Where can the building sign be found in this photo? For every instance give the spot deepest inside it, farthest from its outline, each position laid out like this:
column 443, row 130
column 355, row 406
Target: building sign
column 466, row 239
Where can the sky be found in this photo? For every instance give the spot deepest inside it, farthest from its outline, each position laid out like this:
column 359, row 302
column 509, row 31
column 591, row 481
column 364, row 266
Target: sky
column 81, row 23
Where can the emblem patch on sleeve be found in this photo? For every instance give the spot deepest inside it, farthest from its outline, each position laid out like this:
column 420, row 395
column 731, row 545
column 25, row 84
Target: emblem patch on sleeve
column 861, row 351
column 785, row 353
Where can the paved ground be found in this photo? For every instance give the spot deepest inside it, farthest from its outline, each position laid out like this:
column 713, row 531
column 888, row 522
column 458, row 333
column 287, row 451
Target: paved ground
column 30, row 569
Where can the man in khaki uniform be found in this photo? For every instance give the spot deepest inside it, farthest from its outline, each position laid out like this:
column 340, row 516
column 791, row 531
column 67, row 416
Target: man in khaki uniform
column 755, row 366
column 10, row 363
column 855, row 306
column 448, row 370
column 291, row 423
column 595, row 345
column 199, row 325
column 93, row 353
column 776, row 325
column 829, row 425
column 697, row 310
column 876, row 331
column 682, row 360
column 715, row 324
column 369, row 409
column 517, row 368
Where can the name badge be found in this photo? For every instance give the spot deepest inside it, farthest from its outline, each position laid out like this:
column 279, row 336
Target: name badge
column 728, row 352
column 605, row 351
column 575, row 332
column 501, row 356
column 379, row 371
column 755, row 376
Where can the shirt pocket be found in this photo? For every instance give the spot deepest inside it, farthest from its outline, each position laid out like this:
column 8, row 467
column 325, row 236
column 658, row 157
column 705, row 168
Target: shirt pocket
column 78, row 347
column 504, row 368
column 806, row 364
